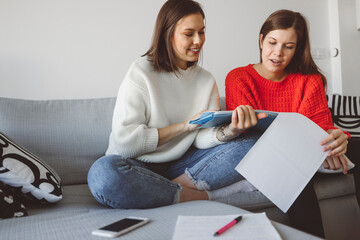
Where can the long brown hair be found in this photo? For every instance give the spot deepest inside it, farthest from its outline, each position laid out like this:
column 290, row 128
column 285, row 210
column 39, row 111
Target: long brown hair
column 160, row 52
column 302, row 62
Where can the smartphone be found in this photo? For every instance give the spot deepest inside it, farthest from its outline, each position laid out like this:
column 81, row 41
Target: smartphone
column 120, row 227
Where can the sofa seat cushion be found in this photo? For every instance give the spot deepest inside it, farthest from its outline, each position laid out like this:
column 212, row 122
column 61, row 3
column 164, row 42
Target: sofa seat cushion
column 76, row 198
column 334, row 185
column 79, row 198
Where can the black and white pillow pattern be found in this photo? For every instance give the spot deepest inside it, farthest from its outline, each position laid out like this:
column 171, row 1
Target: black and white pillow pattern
column 345, row 111
column 10, row 205
column 25, row 172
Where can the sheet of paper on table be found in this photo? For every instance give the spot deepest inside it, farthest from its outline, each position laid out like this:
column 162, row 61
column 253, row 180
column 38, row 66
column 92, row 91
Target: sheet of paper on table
column 285, row 158
column 252, row 226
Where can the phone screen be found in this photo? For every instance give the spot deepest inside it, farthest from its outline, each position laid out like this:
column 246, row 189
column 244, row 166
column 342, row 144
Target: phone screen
column 121, row 225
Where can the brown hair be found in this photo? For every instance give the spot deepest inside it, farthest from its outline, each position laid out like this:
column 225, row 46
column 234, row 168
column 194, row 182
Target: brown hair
column 302, row 62
column 161, row 53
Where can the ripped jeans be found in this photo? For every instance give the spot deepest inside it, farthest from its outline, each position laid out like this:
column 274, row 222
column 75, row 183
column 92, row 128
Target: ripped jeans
column 129, row 183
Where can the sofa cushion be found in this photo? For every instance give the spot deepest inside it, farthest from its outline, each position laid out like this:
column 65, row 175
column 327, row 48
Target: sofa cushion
column 76, row 198
column 333, row 185
column 69, row 134
column 27, row 173
column 345, row 111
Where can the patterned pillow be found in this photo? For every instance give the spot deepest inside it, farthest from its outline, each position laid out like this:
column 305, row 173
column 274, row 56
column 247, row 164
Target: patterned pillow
column 10, row 206
column 26, row 173
column 345, row 111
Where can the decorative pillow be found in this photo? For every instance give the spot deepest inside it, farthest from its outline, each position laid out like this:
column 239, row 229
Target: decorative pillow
column 10, row 206
column 345, row 111
column 26, row 173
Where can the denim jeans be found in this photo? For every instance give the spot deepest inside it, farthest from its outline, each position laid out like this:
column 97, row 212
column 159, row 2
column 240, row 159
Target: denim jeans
column 129, row 183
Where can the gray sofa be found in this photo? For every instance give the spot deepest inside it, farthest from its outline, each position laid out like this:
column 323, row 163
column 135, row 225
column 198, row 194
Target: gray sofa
column 71, row 134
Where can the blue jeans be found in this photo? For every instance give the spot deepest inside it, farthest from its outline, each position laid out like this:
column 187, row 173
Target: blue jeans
column 129, row 183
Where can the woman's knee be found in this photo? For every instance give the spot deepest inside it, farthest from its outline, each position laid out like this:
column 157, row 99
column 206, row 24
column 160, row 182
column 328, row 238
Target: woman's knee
column 105, row 178
column 105, row 169
column 126, row 183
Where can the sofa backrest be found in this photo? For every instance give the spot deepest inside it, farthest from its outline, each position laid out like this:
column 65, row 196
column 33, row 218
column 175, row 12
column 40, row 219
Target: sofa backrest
column 71, row 134
column 67, row 134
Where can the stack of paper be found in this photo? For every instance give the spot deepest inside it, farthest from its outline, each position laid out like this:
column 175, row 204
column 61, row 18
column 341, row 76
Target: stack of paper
column 252, row 226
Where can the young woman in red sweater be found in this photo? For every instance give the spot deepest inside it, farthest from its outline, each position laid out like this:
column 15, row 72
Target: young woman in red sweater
column 287, row 80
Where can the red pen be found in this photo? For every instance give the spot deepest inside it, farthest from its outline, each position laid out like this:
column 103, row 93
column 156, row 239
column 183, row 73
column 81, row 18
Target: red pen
column 227, row 226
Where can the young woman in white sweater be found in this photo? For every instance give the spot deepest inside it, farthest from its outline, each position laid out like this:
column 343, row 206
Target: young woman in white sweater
column 155, row 157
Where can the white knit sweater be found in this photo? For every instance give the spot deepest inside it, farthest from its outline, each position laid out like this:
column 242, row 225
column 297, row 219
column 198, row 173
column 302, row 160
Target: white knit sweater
column 148, row 100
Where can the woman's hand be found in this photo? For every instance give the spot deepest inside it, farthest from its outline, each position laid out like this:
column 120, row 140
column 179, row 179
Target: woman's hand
column 191, row 127
column 243, row 117
column 336, row 142
column 335, row 163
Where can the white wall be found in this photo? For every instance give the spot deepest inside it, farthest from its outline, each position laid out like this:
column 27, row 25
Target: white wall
column 233, row 30
column 350, row 47
column 82, row 48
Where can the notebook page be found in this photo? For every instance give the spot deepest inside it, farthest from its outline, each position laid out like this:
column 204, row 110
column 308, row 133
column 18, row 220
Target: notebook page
column 252, row 226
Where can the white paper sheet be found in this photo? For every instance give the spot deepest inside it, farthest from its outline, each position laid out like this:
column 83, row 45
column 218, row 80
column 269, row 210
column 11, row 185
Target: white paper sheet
column 252, row 226
column 285, row 158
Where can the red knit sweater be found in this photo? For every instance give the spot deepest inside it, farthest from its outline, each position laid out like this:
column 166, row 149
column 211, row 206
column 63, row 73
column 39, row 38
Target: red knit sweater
column 299, row 93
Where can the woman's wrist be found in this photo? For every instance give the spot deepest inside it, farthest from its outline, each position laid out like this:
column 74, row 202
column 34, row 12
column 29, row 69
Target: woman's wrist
column 172, row 131
column 185, row 127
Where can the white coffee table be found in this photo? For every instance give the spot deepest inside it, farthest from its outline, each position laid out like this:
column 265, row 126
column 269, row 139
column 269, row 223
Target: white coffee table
column 163, row 220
